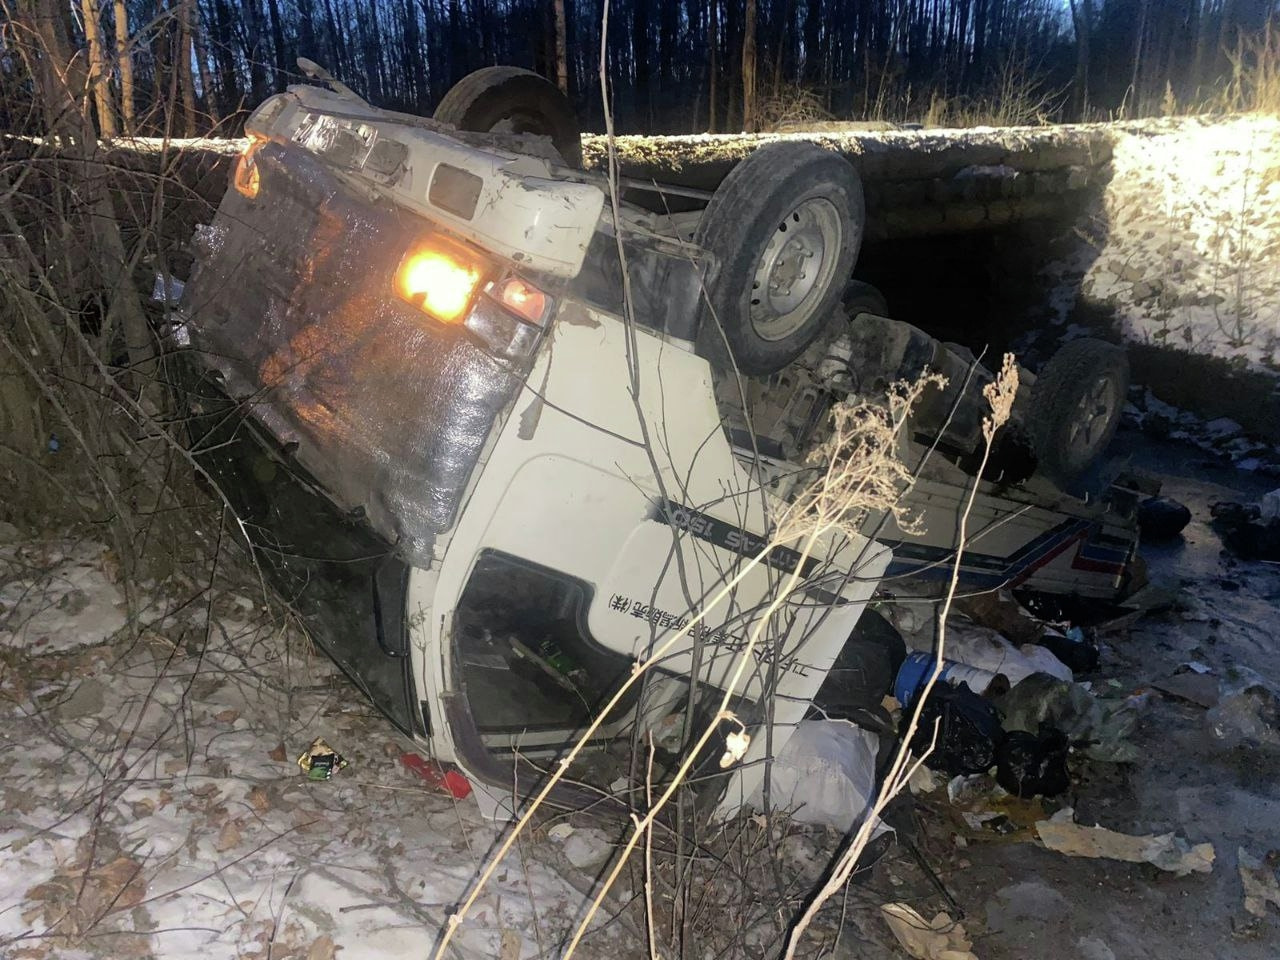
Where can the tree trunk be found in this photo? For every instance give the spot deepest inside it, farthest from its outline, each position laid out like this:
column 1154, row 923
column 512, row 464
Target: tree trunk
column 281, row 58
column 98, row 72
column 186, row 75
column 1082, row 17
column 417, row 75
column 49, row 60
column 124, row 62
column 562, row 49
column 713, row 31
column 211, row 104
column 749, row 69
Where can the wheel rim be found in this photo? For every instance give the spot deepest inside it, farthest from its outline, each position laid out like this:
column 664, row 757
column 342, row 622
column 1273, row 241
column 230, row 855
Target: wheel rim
column 1092, row 419
column 519, row 121
column 795, row 269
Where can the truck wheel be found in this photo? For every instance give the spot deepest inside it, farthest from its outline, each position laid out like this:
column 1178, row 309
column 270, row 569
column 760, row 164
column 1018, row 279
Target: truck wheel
column 786, row 225
column 862, row 297
column 1076, row 403
column 512, row 100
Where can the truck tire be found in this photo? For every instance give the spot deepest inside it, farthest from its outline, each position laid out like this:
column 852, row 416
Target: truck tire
column 512, row 100
column 862, row 297
column 786, row 225
column 1075, row 409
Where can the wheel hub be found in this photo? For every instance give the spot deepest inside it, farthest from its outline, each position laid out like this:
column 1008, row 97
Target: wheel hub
column 1093, row 413
column 795, row 269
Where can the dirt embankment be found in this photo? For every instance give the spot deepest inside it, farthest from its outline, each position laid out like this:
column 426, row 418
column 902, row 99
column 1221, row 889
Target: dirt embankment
column 1181, row 252
column 1190, row 255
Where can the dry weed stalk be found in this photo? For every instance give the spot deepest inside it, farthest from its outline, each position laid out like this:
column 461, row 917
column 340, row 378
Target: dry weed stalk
column 1000, row 395
column 861, row 474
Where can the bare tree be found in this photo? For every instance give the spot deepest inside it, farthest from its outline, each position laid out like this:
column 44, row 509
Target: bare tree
column 713, row 38
column 562, row 48
column 749, row 69
column 1082, row 17
column 186, row 76
column 98, row 72
column 203, row 65
column 124, row 63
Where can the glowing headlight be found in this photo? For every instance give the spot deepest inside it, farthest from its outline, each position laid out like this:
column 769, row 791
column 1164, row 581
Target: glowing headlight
column 440, row 279
column 450, row 282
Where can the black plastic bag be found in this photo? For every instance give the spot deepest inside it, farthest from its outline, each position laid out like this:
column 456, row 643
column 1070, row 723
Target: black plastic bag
column 1030, row 764
column 969, row 731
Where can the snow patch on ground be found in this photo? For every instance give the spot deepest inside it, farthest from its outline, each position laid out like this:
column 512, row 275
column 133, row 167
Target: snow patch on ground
column 150, row 803
column 1222, row 437
column 57, row 596
column 1191, row 225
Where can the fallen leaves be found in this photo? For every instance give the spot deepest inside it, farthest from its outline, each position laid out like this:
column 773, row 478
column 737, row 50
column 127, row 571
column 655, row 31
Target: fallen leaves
column 228, row 837
column 75, row 900
column 260, row 799
column 322, row 948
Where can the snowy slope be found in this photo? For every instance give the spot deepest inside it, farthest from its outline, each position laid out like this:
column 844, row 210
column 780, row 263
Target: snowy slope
column 1189, row 236
column 151, row 804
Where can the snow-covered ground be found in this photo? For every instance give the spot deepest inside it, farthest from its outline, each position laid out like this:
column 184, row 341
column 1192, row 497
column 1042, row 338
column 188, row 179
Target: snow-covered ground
column 151, row 803
column 1188, row 237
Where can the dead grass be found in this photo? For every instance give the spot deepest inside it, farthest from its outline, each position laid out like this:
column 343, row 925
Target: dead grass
column 1254, row 86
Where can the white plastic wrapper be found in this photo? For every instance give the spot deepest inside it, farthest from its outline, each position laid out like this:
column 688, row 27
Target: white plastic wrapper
column 985, row 649
column 825, row 774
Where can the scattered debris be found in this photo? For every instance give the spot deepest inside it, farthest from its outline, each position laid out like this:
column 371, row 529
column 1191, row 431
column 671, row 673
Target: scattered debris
column 985, row 649
column 321, row 761
column 917, row 667
column 1258, row 876
column 1162, row 518
column 561, row 831
column 999, row 610
column 1100, row 728
column 1249, row 715
column 938, row 939
column 1072, row 647
column 587, row 848
column 1246, row 532
column 1033, row 764
column 923, row 780
column 1166, row 851
column 962, row 789
column 448, row 781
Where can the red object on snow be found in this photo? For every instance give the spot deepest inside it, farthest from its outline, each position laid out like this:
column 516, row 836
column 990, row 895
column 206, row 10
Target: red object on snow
column 450, row 781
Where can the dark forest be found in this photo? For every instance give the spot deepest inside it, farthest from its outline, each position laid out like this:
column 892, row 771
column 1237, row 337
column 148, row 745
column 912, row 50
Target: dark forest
column 191, row 66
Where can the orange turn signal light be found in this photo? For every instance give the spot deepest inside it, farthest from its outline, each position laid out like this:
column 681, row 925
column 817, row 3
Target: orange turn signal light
column 440, row 279
column 248, row 179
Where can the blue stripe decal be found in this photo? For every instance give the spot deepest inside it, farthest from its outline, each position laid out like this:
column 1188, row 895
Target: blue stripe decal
column 979, row 569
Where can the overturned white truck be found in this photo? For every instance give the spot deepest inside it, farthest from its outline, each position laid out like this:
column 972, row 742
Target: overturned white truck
column 495, row 437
